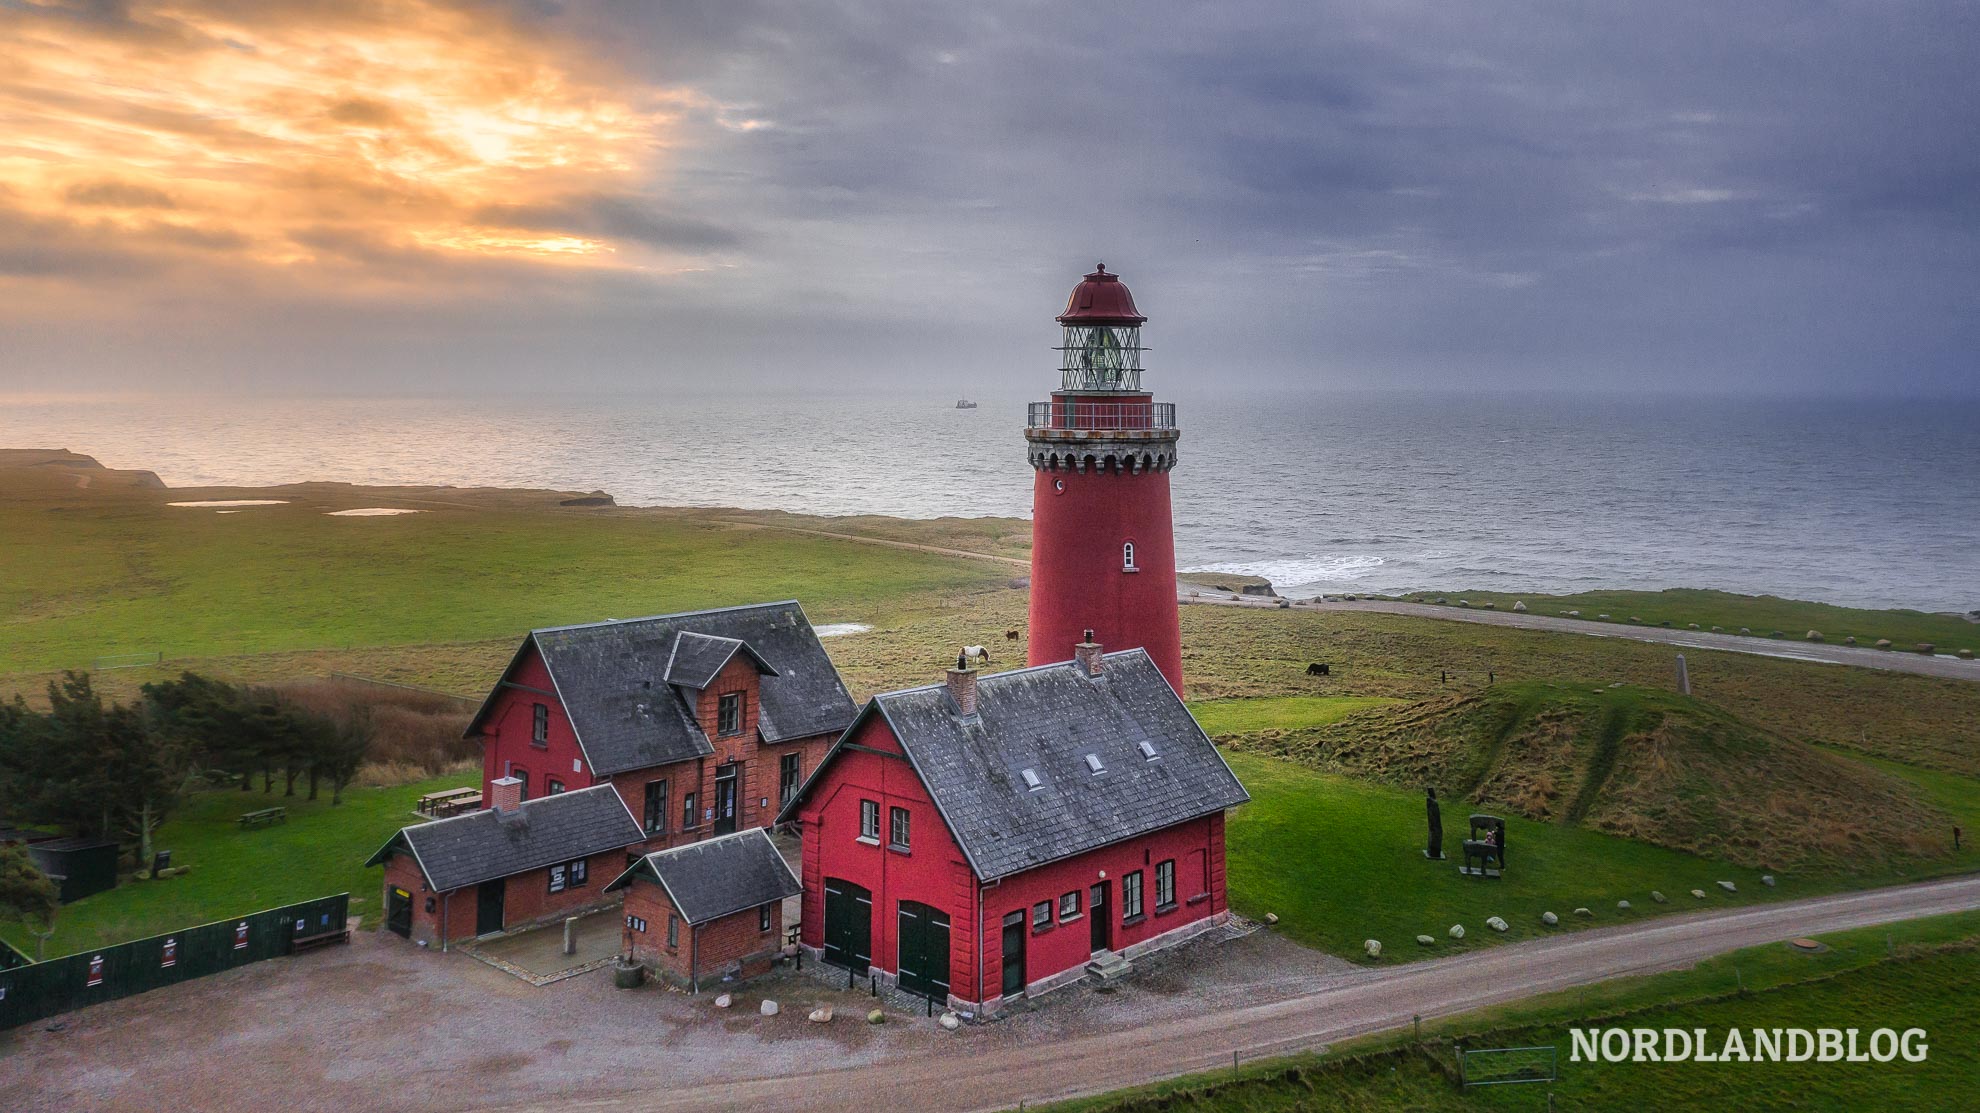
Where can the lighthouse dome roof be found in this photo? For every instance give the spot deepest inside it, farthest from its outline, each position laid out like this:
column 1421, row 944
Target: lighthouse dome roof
column 1101, row 298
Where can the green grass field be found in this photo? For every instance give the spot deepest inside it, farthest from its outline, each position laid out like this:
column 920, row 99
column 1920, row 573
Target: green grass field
column 1921, row 973
column 1763, row 614
column 319, row 851
column 1340, row 861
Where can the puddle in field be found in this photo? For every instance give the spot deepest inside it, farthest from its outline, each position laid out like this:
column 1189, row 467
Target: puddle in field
column 371, row 512
column 232, row 502
column 841, row 629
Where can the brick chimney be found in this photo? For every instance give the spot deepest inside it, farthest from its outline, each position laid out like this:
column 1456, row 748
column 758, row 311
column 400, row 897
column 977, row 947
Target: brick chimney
column 505, row 795
column 1088, row 656
column 962, row 686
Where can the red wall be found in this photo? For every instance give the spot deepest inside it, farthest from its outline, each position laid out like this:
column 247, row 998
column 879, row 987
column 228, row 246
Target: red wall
column 729, row 944
column 1076, row 578
column 507, row 732
column 936, row 874
column 527, row 898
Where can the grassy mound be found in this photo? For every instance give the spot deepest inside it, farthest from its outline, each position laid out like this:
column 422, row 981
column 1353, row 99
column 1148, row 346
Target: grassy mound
column 1646, row 765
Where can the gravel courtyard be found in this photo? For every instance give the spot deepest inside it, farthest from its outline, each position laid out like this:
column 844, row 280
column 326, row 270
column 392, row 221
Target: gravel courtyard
column 380, row 1024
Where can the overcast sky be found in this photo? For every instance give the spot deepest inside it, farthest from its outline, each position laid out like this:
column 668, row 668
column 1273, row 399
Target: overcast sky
column 304, row 195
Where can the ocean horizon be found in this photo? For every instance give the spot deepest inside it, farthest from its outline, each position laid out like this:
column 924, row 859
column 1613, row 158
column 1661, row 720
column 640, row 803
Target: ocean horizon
column 1858, row 502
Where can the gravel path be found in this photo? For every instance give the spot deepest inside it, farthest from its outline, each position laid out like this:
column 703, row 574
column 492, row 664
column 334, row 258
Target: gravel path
column 382, row 1025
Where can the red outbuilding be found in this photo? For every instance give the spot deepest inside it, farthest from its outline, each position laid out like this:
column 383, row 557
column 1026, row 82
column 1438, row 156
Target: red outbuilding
column 989, row 838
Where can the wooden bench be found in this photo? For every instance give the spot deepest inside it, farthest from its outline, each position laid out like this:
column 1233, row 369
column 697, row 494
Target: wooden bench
column 303, row 943
column 264, row 817
column 440, row 803
column 459, row 804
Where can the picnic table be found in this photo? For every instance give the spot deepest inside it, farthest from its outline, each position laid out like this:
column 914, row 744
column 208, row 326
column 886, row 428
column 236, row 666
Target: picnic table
column 264, row 817
column 460, row 804
column 436, row 803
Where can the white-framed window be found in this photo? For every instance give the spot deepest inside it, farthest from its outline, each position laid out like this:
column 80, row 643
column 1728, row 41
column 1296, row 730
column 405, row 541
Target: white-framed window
column 869, row 820
column 763, row 918
column 1165, row 885
column 1041, row 915
column 539, row 725
column 1069, row 905
column 1127, row 557
column 729, row 713
column 1131, row 896
column 897, row 829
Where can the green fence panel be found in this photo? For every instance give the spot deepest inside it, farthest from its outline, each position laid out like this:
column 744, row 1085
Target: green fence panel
column 43, row 989
column 10, row 957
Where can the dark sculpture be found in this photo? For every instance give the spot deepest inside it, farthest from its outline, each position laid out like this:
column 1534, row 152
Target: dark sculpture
column 1317, row 669
column 1485, row 850
column 1435, row 849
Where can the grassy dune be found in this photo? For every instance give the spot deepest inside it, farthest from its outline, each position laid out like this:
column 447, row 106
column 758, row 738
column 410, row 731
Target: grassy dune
column 1763, row 614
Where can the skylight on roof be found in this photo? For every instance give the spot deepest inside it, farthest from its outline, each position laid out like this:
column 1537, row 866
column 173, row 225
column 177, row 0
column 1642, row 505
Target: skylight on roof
column 1148, row 750
column 1094, row 764
column 1031, row 780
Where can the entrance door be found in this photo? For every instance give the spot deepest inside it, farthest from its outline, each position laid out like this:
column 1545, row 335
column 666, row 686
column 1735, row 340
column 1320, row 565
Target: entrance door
column 398, row 912
column 725, row 799
column 924, row 939
column 848, row 925
column 1014, row 954
column 1096, row 910
column 488, row 907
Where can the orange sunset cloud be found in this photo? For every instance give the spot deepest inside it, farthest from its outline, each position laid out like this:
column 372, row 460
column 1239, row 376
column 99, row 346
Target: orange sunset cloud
column 285, row 138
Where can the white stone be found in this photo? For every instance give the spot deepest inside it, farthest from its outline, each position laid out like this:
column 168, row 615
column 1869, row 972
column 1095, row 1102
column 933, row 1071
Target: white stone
column 1658, row 897
column 1584, row 913
column 876, row 1017
column 1425, row 940
column 1729, row 886
column 1623, row 905
column 950, row 1021
column 1495, row 923
column 1271, row 918
column 1699, row 893
column 821, row 1015
column 1457, row 931
column 769, row 1008
column 1519, row 606
column 1373, row 947
column 1767, row 879
column 1549, row 918
column 724, row 1001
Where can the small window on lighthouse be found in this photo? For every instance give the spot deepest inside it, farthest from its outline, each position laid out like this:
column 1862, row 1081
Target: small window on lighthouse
column 1127, row 558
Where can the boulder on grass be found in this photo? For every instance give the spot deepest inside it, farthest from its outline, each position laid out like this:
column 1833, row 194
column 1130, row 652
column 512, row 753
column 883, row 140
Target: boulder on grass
column 821, row 1015
column 724, row 1001
column 1699, row 893
column 1585, row 913
column 1767, row 879
column 1849, row 640
column 1622, row 906
column 1425, row 940
column 1729, row 886
column 769, row 1008
column 876, row 1017
column 1658, row 897
column 1495, row 923
column 1519, row 606
column 1574, row 614
column 1966, row 655
column 1549, row 919
column 1373, row 947
column 1271, row 918
column 950, row 1021
column 1815, row 635
column 1883, row 643
column 1927, row 648
column 1457, row 931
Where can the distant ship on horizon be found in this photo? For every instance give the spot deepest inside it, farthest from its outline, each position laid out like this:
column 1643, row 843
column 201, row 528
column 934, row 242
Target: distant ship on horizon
column 965, row 404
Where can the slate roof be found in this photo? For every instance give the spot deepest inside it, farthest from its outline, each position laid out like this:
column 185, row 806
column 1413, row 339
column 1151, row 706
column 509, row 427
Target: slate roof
column 481, row 846
column 698, row 658
column 715, row 877
column 631, row 710
column 1048, row 719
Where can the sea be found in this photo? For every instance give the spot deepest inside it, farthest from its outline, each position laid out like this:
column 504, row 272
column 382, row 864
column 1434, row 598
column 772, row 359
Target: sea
column 1858, row 502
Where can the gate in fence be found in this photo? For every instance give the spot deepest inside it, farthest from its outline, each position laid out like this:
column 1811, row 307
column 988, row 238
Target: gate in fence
column 1497, row 1066
column 42, row 989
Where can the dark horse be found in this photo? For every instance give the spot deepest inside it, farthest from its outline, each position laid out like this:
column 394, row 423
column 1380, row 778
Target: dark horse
column 1485, row 850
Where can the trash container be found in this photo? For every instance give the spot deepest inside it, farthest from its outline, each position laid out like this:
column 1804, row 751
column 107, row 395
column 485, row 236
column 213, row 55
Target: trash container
column 160, row 862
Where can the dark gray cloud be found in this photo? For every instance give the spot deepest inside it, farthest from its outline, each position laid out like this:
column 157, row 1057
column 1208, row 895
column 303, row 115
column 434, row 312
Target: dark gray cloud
column 1679, row 196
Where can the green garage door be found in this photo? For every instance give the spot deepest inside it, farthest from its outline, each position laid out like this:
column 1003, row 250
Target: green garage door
column 924, row 950
column 848, row 925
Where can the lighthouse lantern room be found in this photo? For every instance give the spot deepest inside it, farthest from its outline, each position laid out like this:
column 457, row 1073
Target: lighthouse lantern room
column 1103, row 540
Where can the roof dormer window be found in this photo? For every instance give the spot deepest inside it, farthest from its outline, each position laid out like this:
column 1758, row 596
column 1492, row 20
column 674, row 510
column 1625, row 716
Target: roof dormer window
column 1094, row 765
column 1032, row 782
column 1147, row 749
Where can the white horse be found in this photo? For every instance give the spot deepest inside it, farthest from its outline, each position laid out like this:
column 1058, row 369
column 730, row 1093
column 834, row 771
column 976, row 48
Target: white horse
column 975, row 653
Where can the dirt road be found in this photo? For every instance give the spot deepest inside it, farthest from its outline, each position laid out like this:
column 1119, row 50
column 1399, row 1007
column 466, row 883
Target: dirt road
column 1348, row 1004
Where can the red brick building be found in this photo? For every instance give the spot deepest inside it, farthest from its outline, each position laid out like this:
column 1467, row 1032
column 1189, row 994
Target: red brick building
column 708, row 910
column 984, row 839
column 507, row 866
column 703, row 722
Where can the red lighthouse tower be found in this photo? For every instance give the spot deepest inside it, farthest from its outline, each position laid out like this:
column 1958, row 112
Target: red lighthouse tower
column 1103, row 551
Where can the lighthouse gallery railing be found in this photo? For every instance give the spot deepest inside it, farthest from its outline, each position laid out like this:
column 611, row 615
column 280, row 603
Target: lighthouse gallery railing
column 1101, row 415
